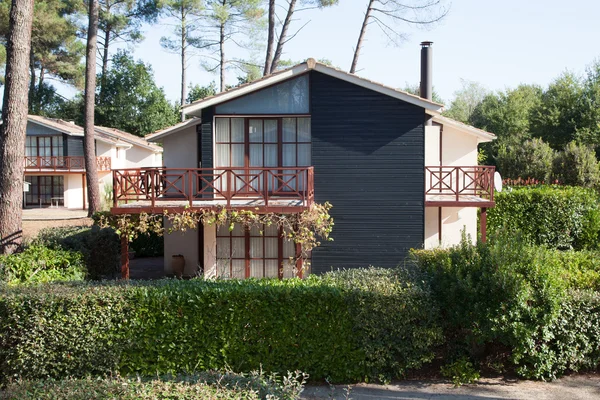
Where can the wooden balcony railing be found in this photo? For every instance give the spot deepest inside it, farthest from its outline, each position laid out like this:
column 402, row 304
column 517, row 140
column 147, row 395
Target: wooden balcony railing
column 199, row 187
column 63, row 164
column 460, row 184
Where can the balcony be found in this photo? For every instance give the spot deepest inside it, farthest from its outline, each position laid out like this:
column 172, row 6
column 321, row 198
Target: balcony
column 62, row 164
column 154, row 190
column 459, row 186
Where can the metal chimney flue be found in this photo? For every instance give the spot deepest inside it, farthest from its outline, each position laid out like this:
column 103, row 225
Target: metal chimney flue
column 426, row 88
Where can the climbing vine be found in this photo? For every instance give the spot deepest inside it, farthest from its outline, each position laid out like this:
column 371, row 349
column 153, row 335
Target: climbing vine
column 307, row 228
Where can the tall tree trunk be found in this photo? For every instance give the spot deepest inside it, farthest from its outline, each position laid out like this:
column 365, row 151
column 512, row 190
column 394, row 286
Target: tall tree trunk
column 32, row 78
column 12, row 130
column 283, row 36
column 91, row 168
column 104, row 61
column 270, row 38
column 361, row 37
column 183, row 58
column 222, row 51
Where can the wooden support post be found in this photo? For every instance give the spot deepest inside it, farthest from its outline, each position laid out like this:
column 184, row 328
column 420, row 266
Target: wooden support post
column 483, row 222
column 299, row 265
column 124, row 257
column 83, row 189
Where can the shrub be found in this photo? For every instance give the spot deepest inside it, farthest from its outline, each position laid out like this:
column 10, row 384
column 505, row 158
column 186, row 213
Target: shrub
column 99, row 247
column 577, row 165
column 328, row 327
column 40, row 264
column 509, row 304
column 531, row 159
column 208, row 385
column 557, row 217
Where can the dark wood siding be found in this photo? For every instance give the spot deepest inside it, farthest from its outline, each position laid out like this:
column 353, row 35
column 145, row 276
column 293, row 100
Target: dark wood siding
column 368, row 154
column 206, row 139
column 74, row 146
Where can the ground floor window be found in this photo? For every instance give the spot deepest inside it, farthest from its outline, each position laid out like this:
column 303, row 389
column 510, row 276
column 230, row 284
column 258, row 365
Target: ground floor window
column 259, row 252
column 45, row 190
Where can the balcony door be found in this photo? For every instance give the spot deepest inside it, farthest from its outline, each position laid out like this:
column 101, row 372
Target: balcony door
column 257, row 142
column 44, row 151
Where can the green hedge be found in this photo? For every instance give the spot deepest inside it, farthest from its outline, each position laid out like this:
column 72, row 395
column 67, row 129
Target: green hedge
column 207, row 385
column 511, row 306
column 554, row 216
column 327, row 327
column 39, row 264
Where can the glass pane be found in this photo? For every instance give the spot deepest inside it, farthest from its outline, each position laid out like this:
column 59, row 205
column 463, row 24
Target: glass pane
column 222, row 129
column 223, row 230
column 289, row 248
column 271, row 155
column 304, row 129
column 271, row 269
column 239, row 248
column 288, row 269
column 289, row 155
column 237, row 130
column 270, row 131
column 256, row 269
column 256, row 155
column 223, row 268
column 271, row 230
column 304, row 155
column 238, row 230
column 255, row 127
column 289, row 97
column 223, row 250
column 237, row 155
column 271, row 247
column 256, row 247
column 256, row 231
column 289, row 129
column 222, row 159
column 238, row 269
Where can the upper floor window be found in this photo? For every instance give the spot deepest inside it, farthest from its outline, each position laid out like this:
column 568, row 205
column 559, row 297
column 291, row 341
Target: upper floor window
column 44, row 146
column 289, row 97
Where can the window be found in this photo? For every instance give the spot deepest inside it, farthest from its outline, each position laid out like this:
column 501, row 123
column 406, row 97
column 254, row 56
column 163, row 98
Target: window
column 263, row 142
column 48, row 148
column 260, row 252
column 289, row 97
column 43, row 189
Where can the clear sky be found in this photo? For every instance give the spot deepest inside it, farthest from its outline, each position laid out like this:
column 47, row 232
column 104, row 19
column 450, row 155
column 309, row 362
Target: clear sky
column 497, row 43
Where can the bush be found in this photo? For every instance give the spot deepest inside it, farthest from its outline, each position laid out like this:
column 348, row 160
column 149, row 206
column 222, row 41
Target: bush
column 100, row 247
column 577, row 165
column 553, row 216
column 148, row 245
column 208, row 385
column 531, row 159
column 328, row 327
column 508, row 305
column 39, row 264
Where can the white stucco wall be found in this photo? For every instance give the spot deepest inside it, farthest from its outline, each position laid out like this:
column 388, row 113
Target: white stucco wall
column 210, row 251
column 458, row 149
column 140, row 157
column 184, row 243
column 73, row 191
column 180, row 150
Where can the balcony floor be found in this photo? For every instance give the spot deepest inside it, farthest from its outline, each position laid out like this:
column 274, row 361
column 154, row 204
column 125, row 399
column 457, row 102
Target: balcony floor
column 437, row 200
column 276, row 206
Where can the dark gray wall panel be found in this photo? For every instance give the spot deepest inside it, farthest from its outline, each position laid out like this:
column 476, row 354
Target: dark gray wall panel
column 368, row 154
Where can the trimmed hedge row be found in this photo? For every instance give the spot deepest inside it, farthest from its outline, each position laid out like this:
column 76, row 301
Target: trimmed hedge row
column 207, row 385
column 332, row 327
column 509, row 306
column 559, row 217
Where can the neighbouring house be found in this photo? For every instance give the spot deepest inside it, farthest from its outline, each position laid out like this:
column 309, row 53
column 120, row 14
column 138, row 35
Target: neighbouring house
column 398, row 174
column 55, row 167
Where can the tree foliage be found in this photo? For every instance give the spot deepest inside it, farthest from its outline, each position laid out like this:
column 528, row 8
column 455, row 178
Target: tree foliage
column 531, row 159
column 466, row 99
column 132, row 102
column 198, row 92
column 577, row 165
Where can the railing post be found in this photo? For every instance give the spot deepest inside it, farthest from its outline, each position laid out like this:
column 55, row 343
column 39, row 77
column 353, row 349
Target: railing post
column 190, row 189
column 457, row 181
column 114, row 179
column 151, row 188
column 266, row 186
column 228, row 192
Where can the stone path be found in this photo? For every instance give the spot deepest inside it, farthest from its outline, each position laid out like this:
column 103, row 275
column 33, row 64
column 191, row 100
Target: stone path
column 576, row 387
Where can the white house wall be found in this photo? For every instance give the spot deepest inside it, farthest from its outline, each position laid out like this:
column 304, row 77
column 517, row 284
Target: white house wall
column 180, row 150
column 184, row 243
column 73, row 191
column 458, row 149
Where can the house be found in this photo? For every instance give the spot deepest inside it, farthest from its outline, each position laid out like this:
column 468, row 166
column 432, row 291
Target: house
column 398, row 174
column 55, row 167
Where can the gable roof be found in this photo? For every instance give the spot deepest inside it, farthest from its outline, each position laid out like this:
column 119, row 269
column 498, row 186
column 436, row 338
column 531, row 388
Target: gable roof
column 301, row 69
column 108, row 135
column 480, row 134
column 158, row 135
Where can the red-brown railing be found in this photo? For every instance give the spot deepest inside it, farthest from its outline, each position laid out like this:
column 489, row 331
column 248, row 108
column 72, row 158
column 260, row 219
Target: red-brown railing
column 460, row 181
column 60, row 163
column 265, row 185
